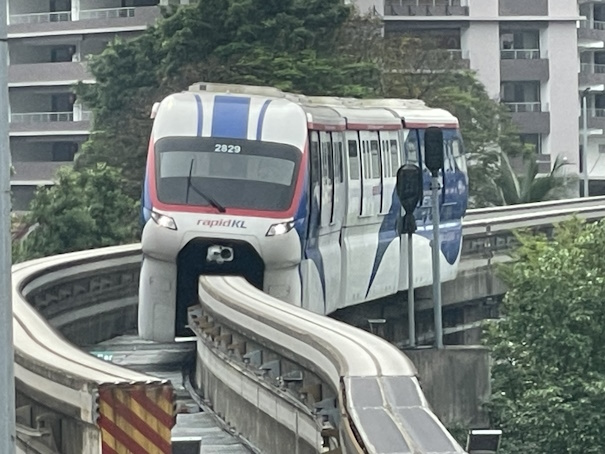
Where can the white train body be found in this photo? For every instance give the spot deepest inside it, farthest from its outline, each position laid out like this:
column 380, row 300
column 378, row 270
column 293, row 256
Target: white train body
column 297, row 194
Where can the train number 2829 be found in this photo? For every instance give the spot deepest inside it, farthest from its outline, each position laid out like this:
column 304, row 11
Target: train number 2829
column 224, row 148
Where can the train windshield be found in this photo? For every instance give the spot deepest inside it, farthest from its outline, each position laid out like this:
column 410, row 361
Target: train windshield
column 226, row 173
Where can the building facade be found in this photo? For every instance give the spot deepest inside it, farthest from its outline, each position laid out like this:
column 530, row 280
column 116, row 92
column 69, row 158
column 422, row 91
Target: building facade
column 591, row 45
column 49, row 42
column 524, row 51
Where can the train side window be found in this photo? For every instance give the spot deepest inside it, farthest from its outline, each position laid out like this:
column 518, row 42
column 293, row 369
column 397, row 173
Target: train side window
column 458, row 153
column 353, row 160
column 337, row 154
column 365, row 162
column 375, row 157
column 411, row 148
column 330, row 161
column 386, row 158
column 339, row 160
column 315, row 166
column 448, row 163
column 394, row 158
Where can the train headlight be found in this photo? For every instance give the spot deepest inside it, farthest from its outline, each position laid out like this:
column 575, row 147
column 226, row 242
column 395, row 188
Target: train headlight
column 163, row 221
column 280, row 229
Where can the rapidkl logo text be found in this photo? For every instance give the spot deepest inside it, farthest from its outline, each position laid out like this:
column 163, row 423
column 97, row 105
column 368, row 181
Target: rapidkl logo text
column 232, row 223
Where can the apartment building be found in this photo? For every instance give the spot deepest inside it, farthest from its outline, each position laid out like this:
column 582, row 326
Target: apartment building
column 49, row 42
column 524, row 51
column 591, row 45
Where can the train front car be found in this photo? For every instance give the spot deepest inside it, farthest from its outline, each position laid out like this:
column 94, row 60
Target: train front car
column 223, row 195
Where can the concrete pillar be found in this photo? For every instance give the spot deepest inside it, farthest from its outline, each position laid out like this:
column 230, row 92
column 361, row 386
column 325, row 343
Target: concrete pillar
column 77, row 111
column 561, row 91
column 482, row 42
column 75, row 9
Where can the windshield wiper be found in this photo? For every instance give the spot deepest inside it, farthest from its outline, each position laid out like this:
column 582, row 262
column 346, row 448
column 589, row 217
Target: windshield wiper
column 209, row 199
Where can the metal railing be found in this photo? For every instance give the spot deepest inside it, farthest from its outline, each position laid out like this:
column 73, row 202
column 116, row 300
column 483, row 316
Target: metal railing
column 593, row 68
column 520, row 54
column 106, row 13
column 40, row 18
column 518, row 107
column 423, row 3
column 41, row 117
column 597, row 112
column 457, row 54
column 592, row 25
column 50, row 117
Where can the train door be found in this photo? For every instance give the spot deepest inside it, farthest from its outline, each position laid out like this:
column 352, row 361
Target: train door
column 389, row 146
column 339, row 205
column 353, row 177
column 312, row 266
column 354, row 247
column 449, row 179
column 327, row 179
column 370, row 173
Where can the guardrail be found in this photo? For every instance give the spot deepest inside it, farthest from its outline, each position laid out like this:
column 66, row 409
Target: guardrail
column 85, row 403
column 490, row 230
column 359, row 393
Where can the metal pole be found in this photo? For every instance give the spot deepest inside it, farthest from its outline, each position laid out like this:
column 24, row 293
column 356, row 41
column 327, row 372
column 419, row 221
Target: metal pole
column 7, row 377
column 585, row 141
column 436, row 263
column 411, row 309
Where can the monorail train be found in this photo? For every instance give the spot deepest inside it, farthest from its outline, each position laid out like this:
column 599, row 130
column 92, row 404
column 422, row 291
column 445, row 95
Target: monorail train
column 295, row 193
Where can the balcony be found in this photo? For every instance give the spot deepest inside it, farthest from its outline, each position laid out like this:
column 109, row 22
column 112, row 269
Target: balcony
column 529, row 116
column 592, row 75
column 591, row 34
column 39, row 18
column 62, row 73
column 595, row 121
column 123, row 18
column 106, row 13
column 520, row 54
column 523, row 7
column 424, row 8
column 69, row 123
column 523, row 64
column 519, row 107
column 36, row 172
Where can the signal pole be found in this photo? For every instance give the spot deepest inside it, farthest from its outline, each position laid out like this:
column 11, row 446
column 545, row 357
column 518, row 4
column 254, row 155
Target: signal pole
column 433, row 158
column 409, row 191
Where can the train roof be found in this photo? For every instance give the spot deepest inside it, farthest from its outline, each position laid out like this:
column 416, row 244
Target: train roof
column 339, row 113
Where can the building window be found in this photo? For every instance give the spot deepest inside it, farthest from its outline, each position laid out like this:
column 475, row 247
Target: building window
column 521, row 96
column 519, row 44
column 532, row 142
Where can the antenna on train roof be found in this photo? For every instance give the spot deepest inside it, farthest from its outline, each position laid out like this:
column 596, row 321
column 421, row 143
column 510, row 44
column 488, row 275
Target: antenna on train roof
column 237, row 89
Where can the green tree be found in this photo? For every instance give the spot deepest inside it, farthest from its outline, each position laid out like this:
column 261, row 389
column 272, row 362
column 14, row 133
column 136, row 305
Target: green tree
column 548, row 373
column 510, row 188
column 416, row 68
column 84, row 210
column 290, row 44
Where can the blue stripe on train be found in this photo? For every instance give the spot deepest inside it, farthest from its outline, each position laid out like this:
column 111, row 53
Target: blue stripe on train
column 261, row 119
column 386, row 234
column 200, row 114
column 230, row 117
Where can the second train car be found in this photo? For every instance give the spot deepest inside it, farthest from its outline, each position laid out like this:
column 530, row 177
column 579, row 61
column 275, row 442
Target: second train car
column 295, row 193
